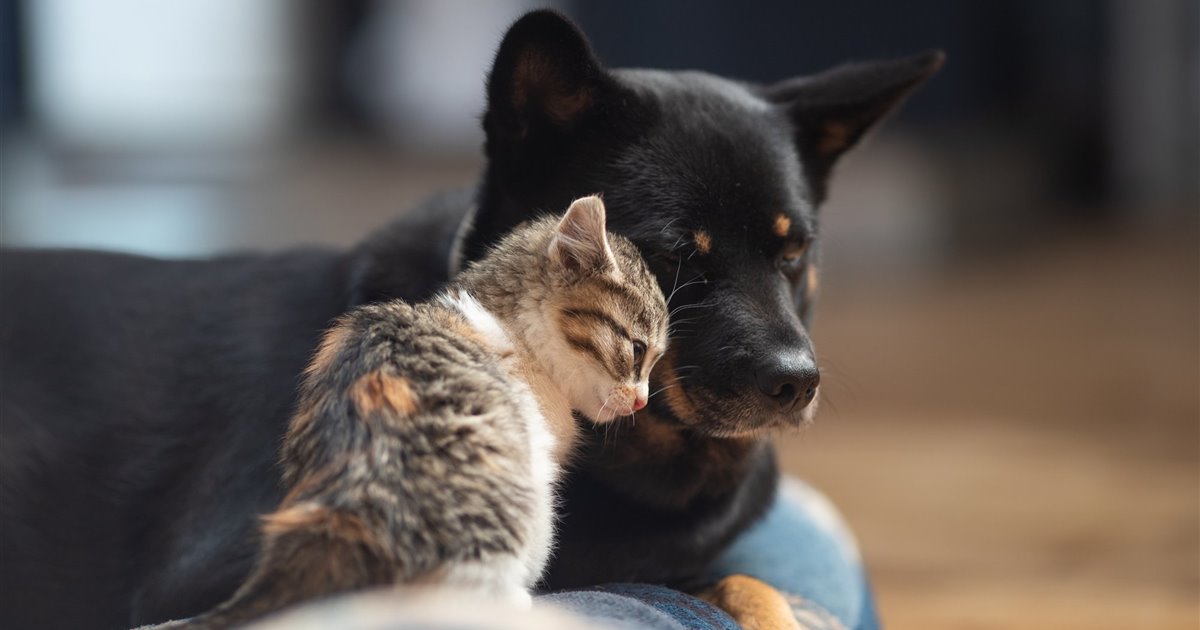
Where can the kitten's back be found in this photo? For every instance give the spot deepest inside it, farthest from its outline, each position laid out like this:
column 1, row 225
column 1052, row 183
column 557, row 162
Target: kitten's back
column 409, row 461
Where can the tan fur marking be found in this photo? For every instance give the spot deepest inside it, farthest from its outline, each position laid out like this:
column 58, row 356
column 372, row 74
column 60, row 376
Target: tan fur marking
column 567, row 106
column 331, row 345
column 782, row 224
column 379, row 391
column 535, row 76
column 835, row 138
column 659, row 437
column 310, row 516
column 703, row 241
column 753, row 604
column 677, row 400
column 811, row 283
column 300, row 421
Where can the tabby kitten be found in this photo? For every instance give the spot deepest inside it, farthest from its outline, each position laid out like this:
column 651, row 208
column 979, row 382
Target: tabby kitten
column 429, row 437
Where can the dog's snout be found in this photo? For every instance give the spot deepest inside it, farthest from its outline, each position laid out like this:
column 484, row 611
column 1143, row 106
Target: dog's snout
column 788, row 381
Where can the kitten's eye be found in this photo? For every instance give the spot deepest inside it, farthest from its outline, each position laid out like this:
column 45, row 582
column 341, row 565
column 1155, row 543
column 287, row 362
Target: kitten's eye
column 791, row 259
column 639, row 352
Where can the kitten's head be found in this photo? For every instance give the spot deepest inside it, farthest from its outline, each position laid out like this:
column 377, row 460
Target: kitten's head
column 606, row 318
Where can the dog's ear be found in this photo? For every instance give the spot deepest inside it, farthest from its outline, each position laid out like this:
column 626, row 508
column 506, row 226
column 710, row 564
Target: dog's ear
column 832, row 110
column 543, row 83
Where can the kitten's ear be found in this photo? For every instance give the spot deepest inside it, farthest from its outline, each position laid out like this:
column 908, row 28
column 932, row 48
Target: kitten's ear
column 544, row 81
column 834, row 109
column 580, row 242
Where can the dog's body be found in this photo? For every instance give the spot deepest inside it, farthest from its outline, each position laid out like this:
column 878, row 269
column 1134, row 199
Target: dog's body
column 143, row 401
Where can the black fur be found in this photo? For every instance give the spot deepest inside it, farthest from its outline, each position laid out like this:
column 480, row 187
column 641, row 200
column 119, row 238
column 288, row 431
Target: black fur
column 143, row 401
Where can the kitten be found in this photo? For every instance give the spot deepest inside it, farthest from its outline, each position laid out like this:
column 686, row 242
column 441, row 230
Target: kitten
column 429, row 437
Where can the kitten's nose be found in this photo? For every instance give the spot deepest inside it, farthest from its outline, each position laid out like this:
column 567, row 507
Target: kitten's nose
column 639, row 404
column 788, row 380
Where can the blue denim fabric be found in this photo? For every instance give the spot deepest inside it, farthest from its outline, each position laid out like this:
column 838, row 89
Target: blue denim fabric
column 801, row 547
column 804, row 549
column 642, row 606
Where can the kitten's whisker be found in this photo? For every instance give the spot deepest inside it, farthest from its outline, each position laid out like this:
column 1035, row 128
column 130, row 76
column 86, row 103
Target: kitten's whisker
column 674, row 383
column 700, row 279
column 601, row 414
column 661, row 390
column 678, row 270
column 674, row 284
column 684, row 307
column 679, row 240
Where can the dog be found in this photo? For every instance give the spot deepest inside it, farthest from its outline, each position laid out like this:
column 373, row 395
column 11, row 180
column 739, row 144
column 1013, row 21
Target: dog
column 144, row 400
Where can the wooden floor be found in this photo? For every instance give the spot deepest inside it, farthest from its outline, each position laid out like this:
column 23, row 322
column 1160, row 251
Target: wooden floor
column 1016, row 442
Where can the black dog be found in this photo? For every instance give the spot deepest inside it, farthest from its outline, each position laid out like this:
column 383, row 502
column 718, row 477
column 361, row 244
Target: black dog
column 143, row 400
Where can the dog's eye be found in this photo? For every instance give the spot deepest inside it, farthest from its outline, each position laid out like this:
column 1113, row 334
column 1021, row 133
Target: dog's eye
column 791, row 259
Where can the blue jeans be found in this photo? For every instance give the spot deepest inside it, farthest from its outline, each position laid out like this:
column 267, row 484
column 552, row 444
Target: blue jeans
column 801, row 547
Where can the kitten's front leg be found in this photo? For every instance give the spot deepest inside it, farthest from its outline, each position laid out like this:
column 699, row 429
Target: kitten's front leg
column 505, row 579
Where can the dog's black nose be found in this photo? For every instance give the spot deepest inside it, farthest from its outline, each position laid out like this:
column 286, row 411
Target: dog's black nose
column 788, row 380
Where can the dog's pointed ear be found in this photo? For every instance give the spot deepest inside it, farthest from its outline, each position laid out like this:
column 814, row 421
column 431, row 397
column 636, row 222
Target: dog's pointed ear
column 544, row 80
column 834, row 109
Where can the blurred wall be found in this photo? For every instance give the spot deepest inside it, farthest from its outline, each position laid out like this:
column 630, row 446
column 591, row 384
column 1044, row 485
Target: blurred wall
column 189, row 127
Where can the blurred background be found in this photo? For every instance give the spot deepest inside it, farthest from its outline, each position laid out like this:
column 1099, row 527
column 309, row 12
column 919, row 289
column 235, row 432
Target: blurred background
column 1010, row 321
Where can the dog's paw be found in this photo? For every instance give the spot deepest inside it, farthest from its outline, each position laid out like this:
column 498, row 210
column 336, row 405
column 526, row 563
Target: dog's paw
column 752, row 603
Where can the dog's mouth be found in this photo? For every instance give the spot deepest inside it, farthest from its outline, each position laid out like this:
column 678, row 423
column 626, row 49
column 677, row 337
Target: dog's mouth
column 681, row 397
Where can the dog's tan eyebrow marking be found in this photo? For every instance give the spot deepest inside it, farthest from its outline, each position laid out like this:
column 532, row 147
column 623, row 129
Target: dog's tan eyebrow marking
column 783, row 223
column 703, row 241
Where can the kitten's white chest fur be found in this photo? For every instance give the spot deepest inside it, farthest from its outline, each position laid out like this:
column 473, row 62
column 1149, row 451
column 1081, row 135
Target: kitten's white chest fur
column 547, row 392
column 551, row 428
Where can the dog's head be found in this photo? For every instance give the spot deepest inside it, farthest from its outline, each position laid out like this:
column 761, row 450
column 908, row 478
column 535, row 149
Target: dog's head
column 716, row 181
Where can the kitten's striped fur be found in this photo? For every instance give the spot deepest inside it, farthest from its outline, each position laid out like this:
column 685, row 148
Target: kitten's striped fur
column 429, row 437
